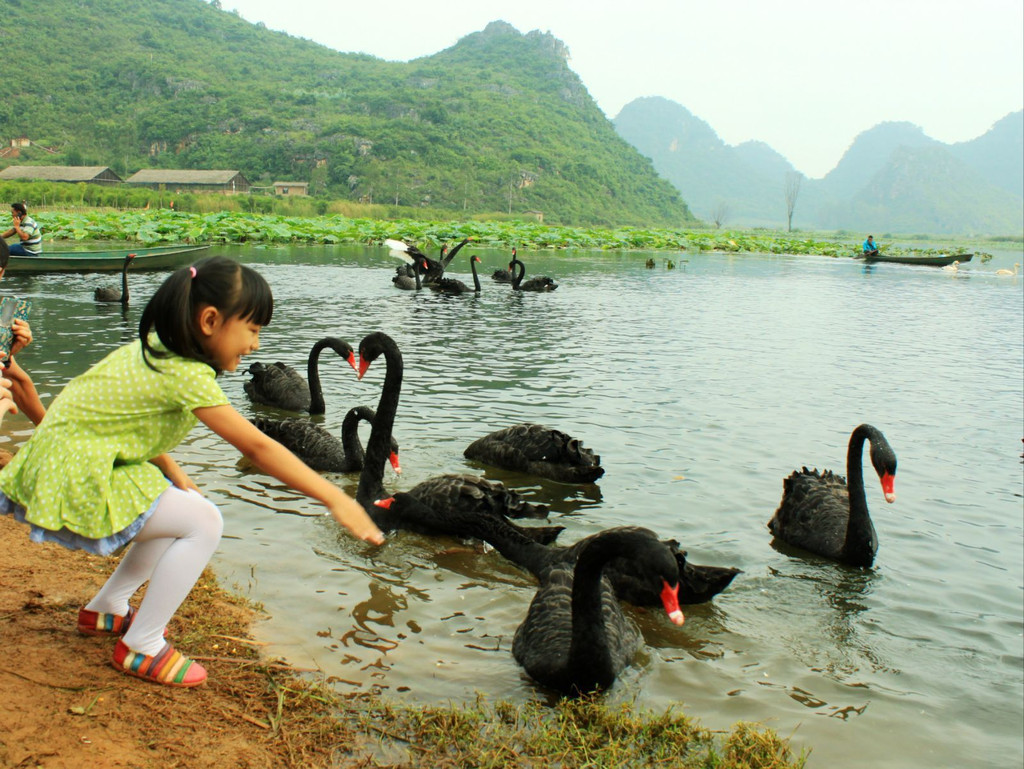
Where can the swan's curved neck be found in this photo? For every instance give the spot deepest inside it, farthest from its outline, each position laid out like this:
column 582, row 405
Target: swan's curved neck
column 589, row 630
column 476, row 278
column 518, row 272
column 378, row 447
column 859, row 531
column 316, row 393
column 350, row 432
column 124, row 281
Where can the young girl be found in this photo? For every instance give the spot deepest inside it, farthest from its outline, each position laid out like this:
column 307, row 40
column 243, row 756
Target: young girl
column 96, row 475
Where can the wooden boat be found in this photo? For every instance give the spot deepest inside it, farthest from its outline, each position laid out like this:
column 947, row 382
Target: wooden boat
column 929, row 261
column 151, row 258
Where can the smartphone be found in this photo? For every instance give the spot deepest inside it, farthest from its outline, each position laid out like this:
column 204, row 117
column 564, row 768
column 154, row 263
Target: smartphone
column 11, row 309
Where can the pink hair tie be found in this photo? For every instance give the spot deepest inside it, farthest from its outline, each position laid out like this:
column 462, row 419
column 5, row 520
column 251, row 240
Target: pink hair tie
column 193, row 271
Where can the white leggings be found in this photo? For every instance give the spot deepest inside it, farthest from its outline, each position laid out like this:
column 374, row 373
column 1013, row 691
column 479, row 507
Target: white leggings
column 170, row 551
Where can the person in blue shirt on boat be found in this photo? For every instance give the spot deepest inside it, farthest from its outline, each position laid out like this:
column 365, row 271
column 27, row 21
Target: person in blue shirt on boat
column 25, row 227
column 870, row 247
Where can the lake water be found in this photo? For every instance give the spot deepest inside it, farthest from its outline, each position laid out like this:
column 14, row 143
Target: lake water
column 702, row 387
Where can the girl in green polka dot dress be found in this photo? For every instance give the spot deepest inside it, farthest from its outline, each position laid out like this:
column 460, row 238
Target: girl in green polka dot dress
column 96, row 474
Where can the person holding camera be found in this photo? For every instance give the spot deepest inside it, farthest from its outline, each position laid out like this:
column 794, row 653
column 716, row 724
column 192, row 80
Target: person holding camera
column 19, row 384
column 25, row 227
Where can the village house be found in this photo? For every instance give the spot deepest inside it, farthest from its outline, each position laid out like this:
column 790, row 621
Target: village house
column 74, row 174
column 291, row 189
column 176, row 180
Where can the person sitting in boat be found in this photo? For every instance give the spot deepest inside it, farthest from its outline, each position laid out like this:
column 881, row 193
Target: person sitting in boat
column 25, row 227
column 870, row 247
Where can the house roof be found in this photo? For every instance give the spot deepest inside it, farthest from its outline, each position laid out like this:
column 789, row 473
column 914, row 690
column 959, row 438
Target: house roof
column 178, row 176
column 56, row 173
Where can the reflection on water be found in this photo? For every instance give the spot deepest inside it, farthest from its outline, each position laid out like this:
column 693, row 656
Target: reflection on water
column 702, row 387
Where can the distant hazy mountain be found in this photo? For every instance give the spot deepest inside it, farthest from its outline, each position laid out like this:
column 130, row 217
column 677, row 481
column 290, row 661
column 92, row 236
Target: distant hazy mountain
column 999, row 154
column 747, row 179
column 893, row 178
column 869, row 152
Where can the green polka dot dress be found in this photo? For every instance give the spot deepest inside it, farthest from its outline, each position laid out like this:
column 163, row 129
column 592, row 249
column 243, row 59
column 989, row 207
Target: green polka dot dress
column 85, row 470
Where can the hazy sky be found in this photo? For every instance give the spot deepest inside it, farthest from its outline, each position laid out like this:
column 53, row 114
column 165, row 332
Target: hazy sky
column 804, row 76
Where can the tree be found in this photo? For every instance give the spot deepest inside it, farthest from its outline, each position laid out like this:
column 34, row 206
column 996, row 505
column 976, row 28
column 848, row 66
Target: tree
column 793, row 180
column 720, row 213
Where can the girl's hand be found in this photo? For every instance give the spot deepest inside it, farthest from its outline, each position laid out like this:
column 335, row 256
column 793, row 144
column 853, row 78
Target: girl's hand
column 353, row 517
column 22, row 336
column 172, row 471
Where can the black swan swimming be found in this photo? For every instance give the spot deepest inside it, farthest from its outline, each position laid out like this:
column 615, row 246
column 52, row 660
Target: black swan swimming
column 575, row 638
column 447, row 259
column 454, row 286
column 410, row 254
column 282, row 386
column 502, row 275
column 539, row 283
column 107, row 294
column 448, row 498
column 318, row 448
column 630, row 578
column 820, row 514
column 538, row 450
column 412, row 282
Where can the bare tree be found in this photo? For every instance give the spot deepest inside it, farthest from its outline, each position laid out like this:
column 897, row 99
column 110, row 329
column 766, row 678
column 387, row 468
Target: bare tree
column 793, row 180
column 720, row 213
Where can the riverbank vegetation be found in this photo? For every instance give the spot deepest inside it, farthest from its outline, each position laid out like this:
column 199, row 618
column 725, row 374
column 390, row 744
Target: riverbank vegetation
column 348, row 223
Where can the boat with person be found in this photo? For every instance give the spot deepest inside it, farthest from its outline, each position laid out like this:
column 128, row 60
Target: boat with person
column 938, row 260
column 107, row 260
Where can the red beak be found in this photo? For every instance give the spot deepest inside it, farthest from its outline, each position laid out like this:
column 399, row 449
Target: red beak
column 887, row 487
column 670, row 600
column 363, row 366
column 385, row 503
column 393, row 458
column 352, row 362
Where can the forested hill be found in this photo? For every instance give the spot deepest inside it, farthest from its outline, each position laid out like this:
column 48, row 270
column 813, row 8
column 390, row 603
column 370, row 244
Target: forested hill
column 496, row 123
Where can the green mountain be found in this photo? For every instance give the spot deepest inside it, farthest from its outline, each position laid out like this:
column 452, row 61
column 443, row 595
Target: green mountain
column 496, row 123
column 893, row 178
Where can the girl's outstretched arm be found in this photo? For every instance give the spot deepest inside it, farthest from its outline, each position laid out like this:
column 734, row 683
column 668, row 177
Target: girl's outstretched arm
column 274, row 459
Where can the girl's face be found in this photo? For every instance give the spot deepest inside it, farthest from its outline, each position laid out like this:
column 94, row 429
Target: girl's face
column 226, row 340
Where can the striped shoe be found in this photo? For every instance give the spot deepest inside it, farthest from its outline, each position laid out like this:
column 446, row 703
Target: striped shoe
column 98, row 623
column 168, row 667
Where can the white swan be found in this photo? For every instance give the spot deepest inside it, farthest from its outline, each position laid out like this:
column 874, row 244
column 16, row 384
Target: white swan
column 955, row 266
column 1016, row 267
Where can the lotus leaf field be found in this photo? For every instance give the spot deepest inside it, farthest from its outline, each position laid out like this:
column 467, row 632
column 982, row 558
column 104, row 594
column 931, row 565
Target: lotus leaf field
column 152, row 227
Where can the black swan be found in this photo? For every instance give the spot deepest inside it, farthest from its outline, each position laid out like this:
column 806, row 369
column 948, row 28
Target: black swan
column 502, row 275
column 446, row 259
column 539, row 283
column 818, row 513
column 410, row 254
column 697, row 584
column 538, row 450
column 412, row 282
column 632, row 579
column 318, row 448
column 282, row 386
column 107, row 294
column 575, row 638
column 455, row 286
column 449, row 498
